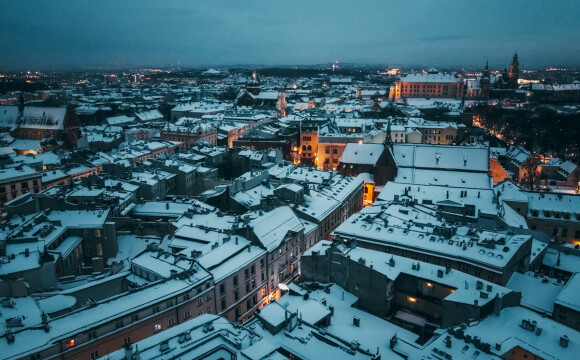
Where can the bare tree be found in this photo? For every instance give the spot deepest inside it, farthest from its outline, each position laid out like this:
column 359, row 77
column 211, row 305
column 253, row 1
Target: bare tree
column 531, row 172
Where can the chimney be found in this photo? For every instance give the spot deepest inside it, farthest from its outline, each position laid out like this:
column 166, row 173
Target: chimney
column 128, row 351
column 497, row 304
column 564, row 340
column 393, row 341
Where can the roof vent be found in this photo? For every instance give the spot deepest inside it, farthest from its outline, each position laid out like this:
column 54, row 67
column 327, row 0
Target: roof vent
column 564, row 341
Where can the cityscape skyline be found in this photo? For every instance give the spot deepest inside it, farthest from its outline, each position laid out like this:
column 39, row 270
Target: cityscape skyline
column 105, row 35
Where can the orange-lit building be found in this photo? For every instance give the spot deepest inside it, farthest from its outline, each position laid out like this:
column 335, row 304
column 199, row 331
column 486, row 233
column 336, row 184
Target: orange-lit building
column 431, row 85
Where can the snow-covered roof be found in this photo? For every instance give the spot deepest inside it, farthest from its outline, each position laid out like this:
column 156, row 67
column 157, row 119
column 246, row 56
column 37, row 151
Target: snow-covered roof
column 462, row 158
column 43, row 117
column 538, row 293
column 34, row 339
column 362, row 154
column 561, row 261
column 392, row 226
column 430, row 78
column 463, row 179
column 569, row 296
column 272, row 227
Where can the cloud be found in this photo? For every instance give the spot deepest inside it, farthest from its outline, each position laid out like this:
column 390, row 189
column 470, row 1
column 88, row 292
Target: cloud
column 44, row 34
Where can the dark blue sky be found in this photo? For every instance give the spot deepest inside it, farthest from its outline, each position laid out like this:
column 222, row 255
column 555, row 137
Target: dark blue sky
column 58, row 33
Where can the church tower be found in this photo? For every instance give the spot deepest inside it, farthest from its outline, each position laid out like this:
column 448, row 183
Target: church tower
column 514, row 74
column 484, row 82
column 254, row 86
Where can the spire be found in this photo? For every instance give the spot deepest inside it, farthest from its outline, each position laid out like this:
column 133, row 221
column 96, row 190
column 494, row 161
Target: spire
column 21, row 104
column 486, row 70
column 388, row 139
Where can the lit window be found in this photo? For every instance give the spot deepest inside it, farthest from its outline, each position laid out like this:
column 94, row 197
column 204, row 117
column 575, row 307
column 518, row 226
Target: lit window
column 411, row 299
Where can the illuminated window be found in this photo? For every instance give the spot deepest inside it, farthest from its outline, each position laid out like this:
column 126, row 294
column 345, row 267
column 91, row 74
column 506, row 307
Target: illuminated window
column 71, row 343
column 157, row 328
column 429, row 285
column 411, row 299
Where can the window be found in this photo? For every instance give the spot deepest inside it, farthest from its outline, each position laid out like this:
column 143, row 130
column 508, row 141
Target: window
column 186, row 314
column 35, row 356
column 99, row 249
column 208, row 297
column 135, row 317
column 565, row 232
column 199, row 301
column 223, row 304
column 186, row 297
column 236, row 295
column 222, row 289
column 119, row 324
column 127, row 340
column 248, row 305
column 335, row 151
column 170, row 322
column 246, row 273
column 92, row 335
column 157, row 328
column 236, row 280
column 94, row 354
column 156, row 309
column 253, row 269
column 327, row 151
column 263, row 292
column 555, row 231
